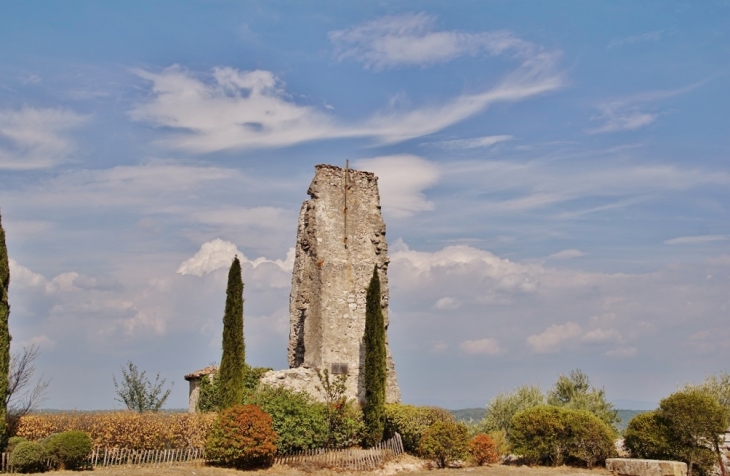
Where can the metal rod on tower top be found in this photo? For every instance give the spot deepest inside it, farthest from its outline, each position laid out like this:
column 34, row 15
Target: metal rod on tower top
column 347, row 183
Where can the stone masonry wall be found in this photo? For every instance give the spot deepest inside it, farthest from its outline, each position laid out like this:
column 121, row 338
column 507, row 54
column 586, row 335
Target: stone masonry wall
column 340, row 239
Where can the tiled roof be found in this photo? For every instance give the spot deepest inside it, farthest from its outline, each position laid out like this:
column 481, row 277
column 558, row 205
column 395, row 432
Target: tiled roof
column 201, row 373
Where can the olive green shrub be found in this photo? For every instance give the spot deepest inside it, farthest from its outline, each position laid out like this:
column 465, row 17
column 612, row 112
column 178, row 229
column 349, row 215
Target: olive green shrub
column 13, row 442
column 686, row 427
column 299, row 420
column 69, row 450
column 445, row 442
column 555, row 435
column 28, row 457
column 410, row 421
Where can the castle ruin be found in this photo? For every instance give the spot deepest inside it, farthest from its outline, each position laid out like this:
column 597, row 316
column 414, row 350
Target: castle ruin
column 340, row 240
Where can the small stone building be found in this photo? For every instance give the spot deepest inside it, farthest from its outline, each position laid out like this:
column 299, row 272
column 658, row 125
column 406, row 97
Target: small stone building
column 194, row 379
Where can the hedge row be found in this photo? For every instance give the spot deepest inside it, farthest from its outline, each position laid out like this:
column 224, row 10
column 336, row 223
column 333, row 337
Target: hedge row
column 138, row 431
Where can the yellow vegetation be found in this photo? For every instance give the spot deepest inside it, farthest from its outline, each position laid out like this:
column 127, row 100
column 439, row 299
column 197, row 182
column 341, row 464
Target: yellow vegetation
column 139, row 431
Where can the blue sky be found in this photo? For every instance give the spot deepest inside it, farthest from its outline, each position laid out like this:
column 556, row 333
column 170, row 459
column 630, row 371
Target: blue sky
column 554, row 178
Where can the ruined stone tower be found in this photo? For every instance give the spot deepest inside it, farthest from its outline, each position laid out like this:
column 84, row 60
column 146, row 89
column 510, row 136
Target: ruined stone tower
column 340, row 238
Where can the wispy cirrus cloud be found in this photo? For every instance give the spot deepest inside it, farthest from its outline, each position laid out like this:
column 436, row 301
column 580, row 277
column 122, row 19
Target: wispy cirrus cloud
column 629, row 113
column 473, row 143
column 413, row 40
column 232, row 109
column 650, row 36
column 697, row 239
column 36, row 138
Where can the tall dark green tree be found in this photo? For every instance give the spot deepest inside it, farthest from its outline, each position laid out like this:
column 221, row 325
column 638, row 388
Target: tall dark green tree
column 375, row 364
column 4, row 332
column 232, row 372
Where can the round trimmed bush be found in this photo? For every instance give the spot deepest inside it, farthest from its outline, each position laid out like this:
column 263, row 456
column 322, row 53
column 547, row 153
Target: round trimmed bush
column 483, row 450
column 555, row 435
column 242, row 437
column 445, row 442
column 28, row 457
column 410, row 421
column 70, row 449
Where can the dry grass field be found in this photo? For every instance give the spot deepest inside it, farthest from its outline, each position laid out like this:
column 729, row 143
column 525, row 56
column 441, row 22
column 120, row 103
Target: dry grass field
column 406, row 466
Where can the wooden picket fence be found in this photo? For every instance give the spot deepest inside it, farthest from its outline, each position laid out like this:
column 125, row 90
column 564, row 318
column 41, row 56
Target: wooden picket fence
column 101, row 457
column 352, row 459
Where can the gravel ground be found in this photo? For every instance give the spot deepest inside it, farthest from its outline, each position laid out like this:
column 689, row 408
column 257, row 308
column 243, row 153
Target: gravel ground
column 406, row 466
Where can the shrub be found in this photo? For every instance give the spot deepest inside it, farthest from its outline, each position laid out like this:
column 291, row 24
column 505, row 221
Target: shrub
column 646, row 436
column 69, row 450
column 556, row 435
column 28, row 457
column 13, row 442
column 411, row 421
column 685, row 427
column 575, row 391
column 300, row 422
column 346, row 425
column 138, row 431
column 445, row 442
column 242, row 437
column 483, row 450
column 501, row 442
column 504, row 406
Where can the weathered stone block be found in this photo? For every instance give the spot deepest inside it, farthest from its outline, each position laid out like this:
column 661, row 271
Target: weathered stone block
column 645, row 467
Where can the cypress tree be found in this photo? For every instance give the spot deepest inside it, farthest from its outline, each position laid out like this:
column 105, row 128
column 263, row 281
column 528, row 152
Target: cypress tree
column 232, row 372
column 4, row 332
column 375, row 364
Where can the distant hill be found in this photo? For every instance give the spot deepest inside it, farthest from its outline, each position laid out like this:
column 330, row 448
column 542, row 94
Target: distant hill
column 626, row 416
column 467, row 414
column 476, row 414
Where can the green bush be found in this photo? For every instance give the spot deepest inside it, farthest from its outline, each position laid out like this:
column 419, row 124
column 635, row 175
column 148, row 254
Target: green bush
column 411, row 421
column 13, row 442
column 69, row 450
column 555, row 435
column 28, row 457
column 686, row 427
column 242, row 437
column 298, row 419
column 445, row 442
column 346, row 425
column 647, row 436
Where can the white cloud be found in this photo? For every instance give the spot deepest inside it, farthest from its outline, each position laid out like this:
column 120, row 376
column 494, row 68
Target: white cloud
column 486, row 346
column 232, row 109
column 36, row 138
column 554, row 337
column 621, row 117
column 447, row 303
column 499, row 277
column 42, row 341
column 474, row 143
column 218, row 253
column 214, row 255
column 412, row 40
column 601, row 335
column 698, row 239
column 401, row 182
column 566, row 254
